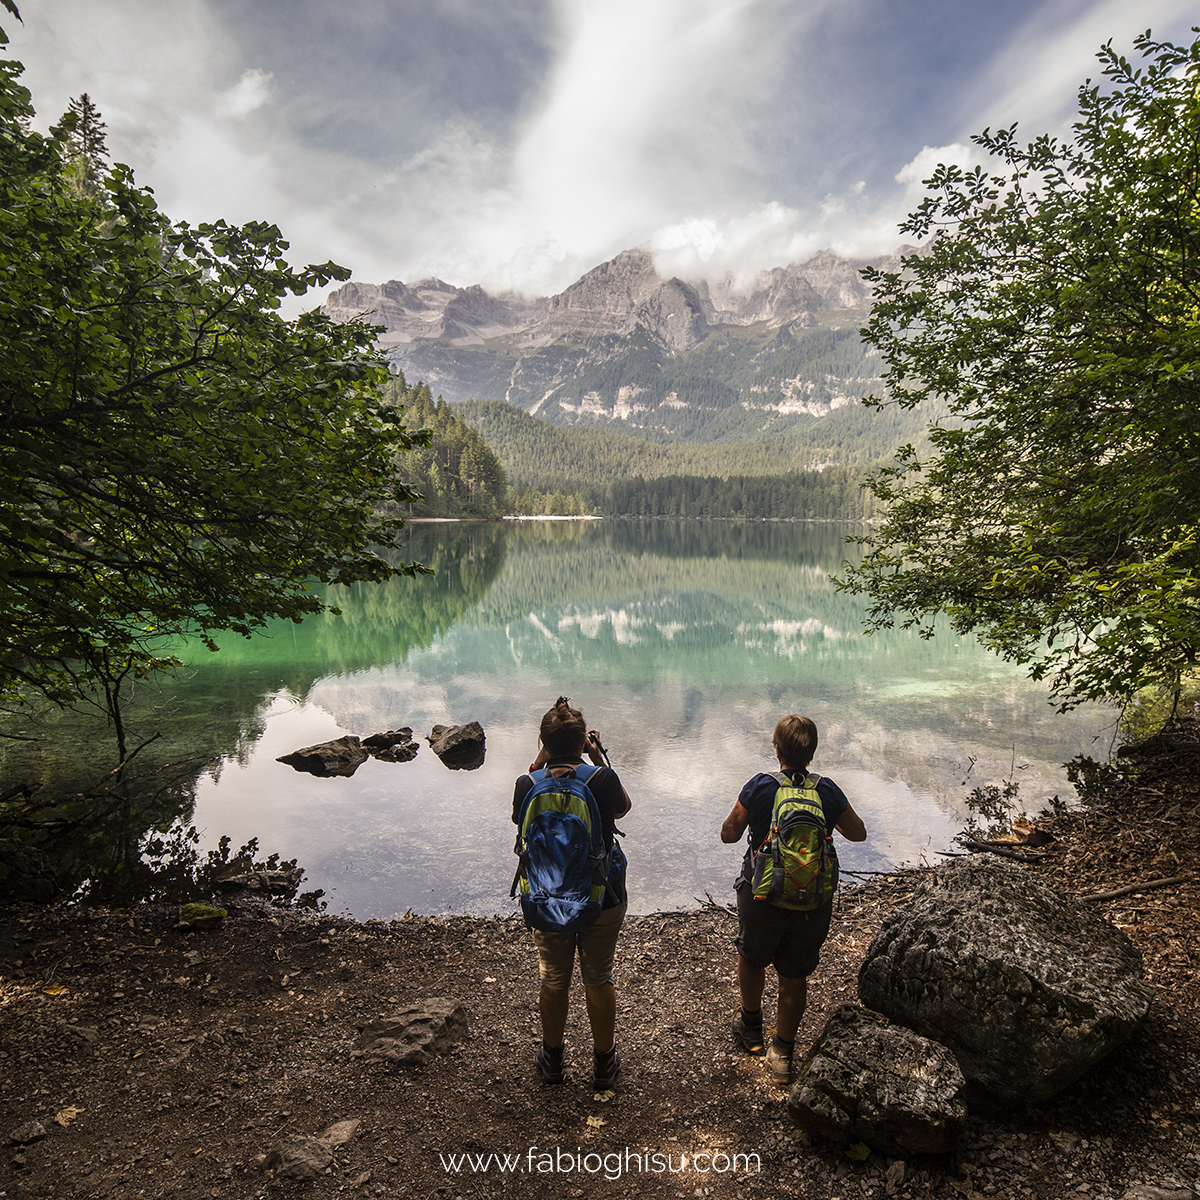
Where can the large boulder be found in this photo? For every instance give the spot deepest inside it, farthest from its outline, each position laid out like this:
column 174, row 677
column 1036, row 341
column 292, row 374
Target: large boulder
column 342, row 756
column 460, row 747
column 866, row 1080
column 1027, row 989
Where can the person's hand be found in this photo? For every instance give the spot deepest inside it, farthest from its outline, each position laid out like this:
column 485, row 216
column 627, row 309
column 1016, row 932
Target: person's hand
column 594, row 747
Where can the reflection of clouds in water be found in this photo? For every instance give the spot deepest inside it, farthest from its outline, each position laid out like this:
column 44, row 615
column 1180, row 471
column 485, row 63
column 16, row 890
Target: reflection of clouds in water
column 791, row 637
column 591, row 625
column 533, row 620
column 623, row 623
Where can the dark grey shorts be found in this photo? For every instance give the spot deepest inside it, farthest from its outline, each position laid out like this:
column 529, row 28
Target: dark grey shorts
column 781, row 937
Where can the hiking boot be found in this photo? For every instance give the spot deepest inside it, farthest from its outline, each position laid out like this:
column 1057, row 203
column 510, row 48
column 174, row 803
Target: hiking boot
column 607, row 1068
column 749, row 1037
column 550, row 1064
column 779, row 1059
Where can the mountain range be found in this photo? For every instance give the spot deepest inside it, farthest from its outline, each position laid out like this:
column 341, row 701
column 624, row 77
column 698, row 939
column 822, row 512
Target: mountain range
column 623, row 348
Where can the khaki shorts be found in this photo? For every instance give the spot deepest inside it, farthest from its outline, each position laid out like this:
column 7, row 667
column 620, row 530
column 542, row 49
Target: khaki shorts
column 597, row 947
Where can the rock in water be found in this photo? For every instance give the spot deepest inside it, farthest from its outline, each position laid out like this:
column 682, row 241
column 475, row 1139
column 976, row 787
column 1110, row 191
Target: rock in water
column 1026, row 988
column 414, row 1034
column 866, row 1080
column 342, row 756
column 460, row 747
column 396, row 745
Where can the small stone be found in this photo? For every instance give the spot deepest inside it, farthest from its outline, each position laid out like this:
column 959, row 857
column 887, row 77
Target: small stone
column 298, row 1158
column 27, row 1134
column 411, row 1036
column 340, row 1133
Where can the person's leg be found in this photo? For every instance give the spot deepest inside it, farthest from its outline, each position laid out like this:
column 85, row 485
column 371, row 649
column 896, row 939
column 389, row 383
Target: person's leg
column 796, row 958
column 602, row 1015
column 556, row 960
column 597, row 950
column 751, row 981
column 793, row 996
column 553, row 1005
column 756, row 940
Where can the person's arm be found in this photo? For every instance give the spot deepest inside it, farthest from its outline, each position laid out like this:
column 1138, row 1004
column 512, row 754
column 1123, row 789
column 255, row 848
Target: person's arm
column 595, row 751
column 735, row 824
column 850, row 826
column 520, row 791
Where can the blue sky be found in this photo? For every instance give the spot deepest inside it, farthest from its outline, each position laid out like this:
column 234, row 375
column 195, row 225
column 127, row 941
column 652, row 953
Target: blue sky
column 517, row 143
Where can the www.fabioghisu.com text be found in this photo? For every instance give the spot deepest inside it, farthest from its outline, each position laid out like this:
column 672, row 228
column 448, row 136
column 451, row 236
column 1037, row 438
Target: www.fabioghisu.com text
column 611, row 1164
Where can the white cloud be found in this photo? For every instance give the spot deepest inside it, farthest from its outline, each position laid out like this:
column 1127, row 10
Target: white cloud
column 650, row 125
column 1035, row 79
column 252, row 91
column 913, row 174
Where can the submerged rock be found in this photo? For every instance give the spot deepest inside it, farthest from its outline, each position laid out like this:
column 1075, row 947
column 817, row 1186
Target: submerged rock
column 342, row 756
column 1027, row 989
column 283, row 881
column 460, row 747
column 866, row 1080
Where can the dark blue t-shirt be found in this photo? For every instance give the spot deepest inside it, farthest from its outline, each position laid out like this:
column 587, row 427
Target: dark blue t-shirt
column 758, row 798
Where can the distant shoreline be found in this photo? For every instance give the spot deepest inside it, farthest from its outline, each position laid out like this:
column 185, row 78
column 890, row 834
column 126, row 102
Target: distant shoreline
column 739, row 520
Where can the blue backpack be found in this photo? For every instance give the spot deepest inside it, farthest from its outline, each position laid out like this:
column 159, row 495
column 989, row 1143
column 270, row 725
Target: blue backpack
column 563, row 873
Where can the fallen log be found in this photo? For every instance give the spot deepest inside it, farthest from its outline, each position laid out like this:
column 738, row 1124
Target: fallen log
column 972, row 844
column 1130, row 888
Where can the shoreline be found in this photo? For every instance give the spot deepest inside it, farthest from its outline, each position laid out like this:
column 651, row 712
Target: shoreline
column 593, row 517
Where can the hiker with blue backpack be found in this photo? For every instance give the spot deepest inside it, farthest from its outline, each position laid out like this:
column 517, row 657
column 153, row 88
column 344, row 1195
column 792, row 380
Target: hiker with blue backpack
column 571, row 881
column 786, row 885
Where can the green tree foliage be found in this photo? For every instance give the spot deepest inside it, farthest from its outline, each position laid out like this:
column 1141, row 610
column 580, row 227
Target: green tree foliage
column 1057, row 311
column 176, row 458
column 455, row 472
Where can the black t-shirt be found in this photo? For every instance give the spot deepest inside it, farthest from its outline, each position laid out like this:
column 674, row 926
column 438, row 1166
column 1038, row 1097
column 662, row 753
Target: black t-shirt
column 610, row 800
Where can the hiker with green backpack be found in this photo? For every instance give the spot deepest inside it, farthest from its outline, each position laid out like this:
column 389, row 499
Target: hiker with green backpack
column 785, row 889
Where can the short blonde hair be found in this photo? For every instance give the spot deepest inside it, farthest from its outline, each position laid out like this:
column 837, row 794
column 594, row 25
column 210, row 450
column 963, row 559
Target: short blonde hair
column 795, row 738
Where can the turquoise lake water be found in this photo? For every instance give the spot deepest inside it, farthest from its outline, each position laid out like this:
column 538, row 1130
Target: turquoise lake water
column 682, row 642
